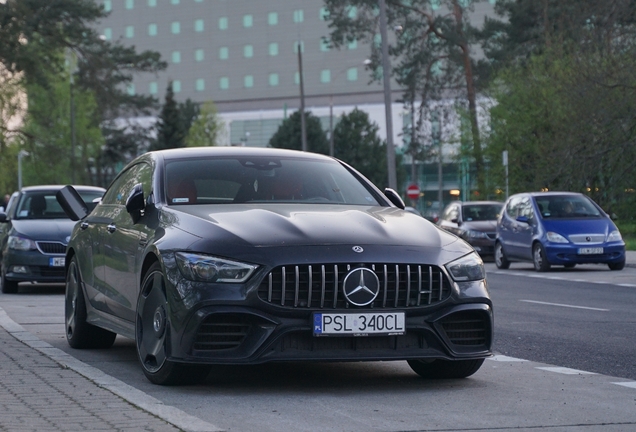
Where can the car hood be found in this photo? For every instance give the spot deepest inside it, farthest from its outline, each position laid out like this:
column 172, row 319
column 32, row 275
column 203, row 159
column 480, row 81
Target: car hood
column 580, row 226
column 44, row 229
column 328, row 226
column 481, row 226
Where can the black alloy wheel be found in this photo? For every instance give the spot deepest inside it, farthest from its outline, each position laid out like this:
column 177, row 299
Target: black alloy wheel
column 152, row 335
column 79, row 333
column 539, row 258
column 617, row 266
column 500, row 257
column 445, row 369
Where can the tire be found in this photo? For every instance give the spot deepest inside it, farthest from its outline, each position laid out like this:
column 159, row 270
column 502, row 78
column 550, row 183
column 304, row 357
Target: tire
column 617, row 266
column 569, row 265
column 445, row 369
column 500, row 257
column 79, row 333
column 152, row 335
column 539, row 259
column 8, row 287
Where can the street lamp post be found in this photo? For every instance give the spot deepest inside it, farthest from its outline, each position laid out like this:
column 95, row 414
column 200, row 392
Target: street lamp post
column 386, row 73
column 21, row 154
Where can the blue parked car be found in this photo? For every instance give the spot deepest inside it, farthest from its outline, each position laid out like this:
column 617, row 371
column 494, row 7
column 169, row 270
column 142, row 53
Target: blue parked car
column 557, row 228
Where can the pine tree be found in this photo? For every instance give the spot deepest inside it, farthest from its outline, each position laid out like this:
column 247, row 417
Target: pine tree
column 170, row 126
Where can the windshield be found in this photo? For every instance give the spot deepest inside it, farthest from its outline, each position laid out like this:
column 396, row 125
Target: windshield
column 567, row 207
column 44, row 205
column 263, row 180
column 481, row 212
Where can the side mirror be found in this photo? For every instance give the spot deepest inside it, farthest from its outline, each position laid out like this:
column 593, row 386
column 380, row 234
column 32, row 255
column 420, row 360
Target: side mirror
column 72, row 203
column 3, row 217
column 135, row 204
column 394, row 198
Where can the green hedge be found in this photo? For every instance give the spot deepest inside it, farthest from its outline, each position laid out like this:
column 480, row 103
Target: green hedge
column 628, row 231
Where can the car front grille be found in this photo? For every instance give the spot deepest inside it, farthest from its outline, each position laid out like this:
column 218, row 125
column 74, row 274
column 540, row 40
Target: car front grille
column 51, row 248
column 222, row 332
column 320, row 286
column 466, row 328
column 587, row 239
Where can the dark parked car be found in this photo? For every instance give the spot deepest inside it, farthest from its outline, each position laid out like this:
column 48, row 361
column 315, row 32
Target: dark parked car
column 557, row 228
column 232, row 255
column 474, row 221
column 34, row 234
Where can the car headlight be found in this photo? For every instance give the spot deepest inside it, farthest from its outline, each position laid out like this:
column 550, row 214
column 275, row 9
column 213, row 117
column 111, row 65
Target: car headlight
column 467, row 268
column 206, row 268
column 555, row 238
column 614, row 236
column 475, row 234
column 21, row 243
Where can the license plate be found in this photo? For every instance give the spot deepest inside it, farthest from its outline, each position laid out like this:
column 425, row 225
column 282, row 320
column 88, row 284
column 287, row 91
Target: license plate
column 590, row 251
column 359, row 324
column 56, row 262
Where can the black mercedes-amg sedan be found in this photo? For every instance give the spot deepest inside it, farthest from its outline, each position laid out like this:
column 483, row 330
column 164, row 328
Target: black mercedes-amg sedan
column 234, row 255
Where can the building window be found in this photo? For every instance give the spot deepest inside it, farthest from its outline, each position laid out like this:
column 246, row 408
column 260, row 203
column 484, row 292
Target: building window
column 152, row 88
column 108, row 5
column 324, row 44
column 223, row 23
column 272, row 18
column 302, row 46
column 224, row 83
column 176, row 86
column 325, row 76
column 130, row 32
column 273, row 79
column 130, row 89
column 248, row 51
column 299, row 16
column 435, row 4
column 248, row 81
column 224, row 53
column 352, row 44
column 199, row 84
column 198, row 25
column 273, row 49
column 248, row 20
column 199, row 54
column 175, row 2
column 296, row 78
column 352, row 74
column 353, row 12
column 176, row 57
column 324, row 14
column 175, row 27
column 152, row 3
column 108, row 33
column 152, row 29
column 130, row 4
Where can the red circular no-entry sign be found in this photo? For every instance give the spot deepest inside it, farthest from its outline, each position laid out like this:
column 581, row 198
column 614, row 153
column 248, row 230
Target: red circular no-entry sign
column 413, row 191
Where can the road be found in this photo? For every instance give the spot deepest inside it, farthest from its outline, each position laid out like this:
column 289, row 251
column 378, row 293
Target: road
column 565, row 341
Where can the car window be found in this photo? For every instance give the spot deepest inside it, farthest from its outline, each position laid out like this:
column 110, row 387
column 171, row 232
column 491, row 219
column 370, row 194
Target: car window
column 44, row 205
column 525, row 209
column 568, row 207
column 450, row 213
column 480, row 212
column 259, row 179
column 513, row 206
column 122, row 186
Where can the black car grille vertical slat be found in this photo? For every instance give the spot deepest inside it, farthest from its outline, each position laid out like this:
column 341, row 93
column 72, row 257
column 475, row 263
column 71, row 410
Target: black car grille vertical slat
column 468, row 328
column 320, row 286
column 51, row 248
column 221, row 332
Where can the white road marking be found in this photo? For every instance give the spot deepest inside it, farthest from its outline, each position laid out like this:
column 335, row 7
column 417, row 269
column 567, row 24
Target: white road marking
column 565, row 371
column 630, row 384
column 565, row 305
column 543, row 276
column 503, row 358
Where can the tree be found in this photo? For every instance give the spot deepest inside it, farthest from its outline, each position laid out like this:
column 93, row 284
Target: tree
column 357, row 143
column 429, row 46
column 207, row 128
column 171, row 128
column 288, row 135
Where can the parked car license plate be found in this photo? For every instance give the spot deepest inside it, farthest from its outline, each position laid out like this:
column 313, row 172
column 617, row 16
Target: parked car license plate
column 56, row 262
column 359, row 324
column 590, row 251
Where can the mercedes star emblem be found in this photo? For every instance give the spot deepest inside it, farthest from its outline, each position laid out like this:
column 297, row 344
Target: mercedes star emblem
column 361, row 286
column 358, row 249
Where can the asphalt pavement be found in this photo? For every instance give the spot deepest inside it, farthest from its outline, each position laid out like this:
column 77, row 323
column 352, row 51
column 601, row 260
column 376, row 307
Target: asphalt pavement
column 44, row 389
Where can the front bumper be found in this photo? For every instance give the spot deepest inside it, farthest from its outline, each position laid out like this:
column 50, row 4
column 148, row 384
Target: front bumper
column 561, row 254
column 32, row 266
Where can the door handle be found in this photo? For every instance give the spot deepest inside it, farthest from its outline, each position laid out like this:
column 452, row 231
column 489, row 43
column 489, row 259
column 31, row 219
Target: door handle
column 111, row 228
column 84, row 225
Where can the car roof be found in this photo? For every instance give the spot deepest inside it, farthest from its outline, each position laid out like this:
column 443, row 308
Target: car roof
column 463, row 203
column 46, row 188
column 232, row 151
column 550, row 193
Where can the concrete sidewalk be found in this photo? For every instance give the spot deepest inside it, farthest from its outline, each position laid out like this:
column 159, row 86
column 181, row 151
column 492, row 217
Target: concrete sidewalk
column 44, row 389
